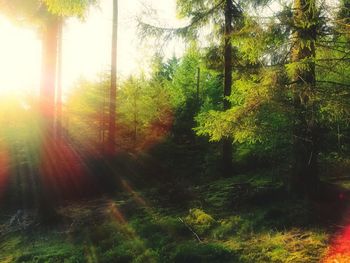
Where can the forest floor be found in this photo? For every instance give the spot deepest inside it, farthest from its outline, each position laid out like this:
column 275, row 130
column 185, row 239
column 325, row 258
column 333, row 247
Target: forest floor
column 247, row 218
column 222, row 220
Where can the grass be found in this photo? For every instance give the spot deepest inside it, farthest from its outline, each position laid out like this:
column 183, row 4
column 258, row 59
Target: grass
column 44, row 247
column 235, row 223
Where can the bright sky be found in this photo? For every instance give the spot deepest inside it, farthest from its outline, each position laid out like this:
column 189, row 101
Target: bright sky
column 86, row 46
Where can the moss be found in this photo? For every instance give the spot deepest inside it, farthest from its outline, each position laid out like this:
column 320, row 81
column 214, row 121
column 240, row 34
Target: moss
column 228, row 227
column 291, row 246
column 200, row 221
column 50, row 249
column 268, row 232
column 191, row 252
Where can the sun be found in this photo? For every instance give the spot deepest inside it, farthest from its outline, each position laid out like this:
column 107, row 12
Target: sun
column 19, row 59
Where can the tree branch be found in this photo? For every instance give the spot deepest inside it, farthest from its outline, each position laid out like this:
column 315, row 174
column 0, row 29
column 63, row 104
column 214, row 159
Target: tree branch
column 168, row 32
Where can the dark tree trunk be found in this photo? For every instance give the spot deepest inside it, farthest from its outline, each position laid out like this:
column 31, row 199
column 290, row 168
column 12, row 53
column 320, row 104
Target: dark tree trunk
column 305, row 132
column 227, row 142
column 113, row 89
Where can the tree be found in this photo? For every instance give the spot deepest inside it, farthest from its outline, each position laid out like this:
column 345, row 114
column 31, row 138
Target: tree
column 303, row 72
column 202, row 13
column 52, row 39
column 48, row 74
column 227, row 142
column 84, row 110
column 59, row 82
column 113, row 89
column 47, row 17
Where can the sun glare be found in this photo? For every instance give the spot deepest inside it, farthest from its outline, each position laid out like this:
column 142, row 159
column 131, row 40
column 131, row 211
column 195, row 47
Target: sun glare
column 20, row 59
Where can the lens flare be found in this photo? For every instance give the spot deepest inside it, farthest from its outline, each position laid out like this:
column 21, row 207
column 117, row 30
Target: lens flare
column 4, row 169
column 339, row 251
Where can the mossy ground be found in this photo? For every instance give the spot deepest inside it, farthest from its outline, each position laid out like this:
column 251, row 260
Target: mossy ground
column 225, row 220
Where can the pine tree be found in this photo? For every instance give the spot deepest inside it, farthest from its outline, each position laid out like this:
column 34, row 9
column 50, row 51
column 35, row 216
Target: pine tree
column 305, row 133
column 228, row 14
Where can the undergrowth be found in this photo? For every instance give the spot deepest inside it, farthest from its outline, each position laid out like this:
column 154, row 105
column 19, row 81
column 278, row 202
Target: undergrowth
column 227, row 222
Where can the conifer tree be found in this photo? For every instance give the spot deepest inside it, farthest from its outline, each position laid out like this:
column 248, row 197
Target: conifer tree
column 302, row 69
column 228, row 14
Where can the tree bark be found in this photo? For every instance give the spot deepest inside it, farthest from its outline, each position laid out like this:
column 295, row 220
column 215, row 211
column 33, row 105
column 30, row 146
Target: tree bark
column 47, row 112
column 198, row 86
column 113, row 89
column 48, row 73
column 227, row 142
column 59, row 82
column 305, row 133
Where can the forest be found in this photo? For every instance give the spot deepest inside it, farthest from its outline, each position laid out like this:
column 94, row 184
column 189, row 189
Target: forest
column 237, row 150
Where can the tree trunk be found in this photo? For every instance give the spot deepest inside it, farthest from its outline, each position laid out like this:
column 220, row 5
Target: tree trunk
column 113, row 89
column 305, row 132
column 135, row 119
column 227, row 142
column 59, row 82
column 198, row 86
column 47, row 111
column 48, row 74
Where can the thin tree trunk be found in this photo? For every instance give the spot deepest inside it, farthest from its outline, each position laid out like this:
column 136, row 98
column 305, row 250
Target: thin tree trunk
column 59, row 82
column 135, row 123
column 198, row 85
column 227, row 142
column 305, row 132
column 113, row 89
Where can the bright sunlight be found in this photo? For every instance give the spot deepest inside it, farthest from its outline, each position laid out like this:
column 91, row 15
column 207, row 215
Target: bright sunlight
column 174, row 131
column 20, row 58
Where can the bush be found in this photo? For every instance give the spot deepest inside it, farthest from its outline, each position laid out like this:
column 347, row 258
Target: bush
column 200, row 221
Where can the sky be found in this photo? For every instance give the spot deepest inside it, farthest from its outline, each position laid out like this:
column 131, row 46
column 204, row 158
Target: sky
column 86, row 46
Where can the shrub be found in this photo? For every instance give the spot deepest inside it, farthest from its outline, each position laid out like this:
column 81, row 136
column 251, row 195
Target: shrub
column 200, row 221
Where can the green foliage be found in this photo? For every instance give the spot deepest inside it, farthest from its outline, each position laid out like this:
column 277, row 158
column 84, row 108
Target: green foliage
column 200, row 221
column 84, row 111
column 251, row 41
column 144, row 112
column 194, row 252
column 67, row 8
column 157, row 233
column 284, row 247
column 268, row 232
column 253, row 116
column 229, row 227
column 40, row 12
column 53, row 249
column 183, row 84
column 294, row 68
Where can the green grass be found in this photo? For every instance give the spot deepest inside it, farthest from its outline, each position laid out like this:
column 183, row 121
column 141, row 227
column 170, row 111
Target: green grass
column 235, row 223
column 39, row 248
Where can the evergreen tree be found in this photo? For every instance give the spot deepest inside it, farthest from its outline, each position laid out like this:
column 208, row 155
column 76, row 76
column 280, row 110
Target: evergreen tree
column 228, row 15
column 302, row 69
